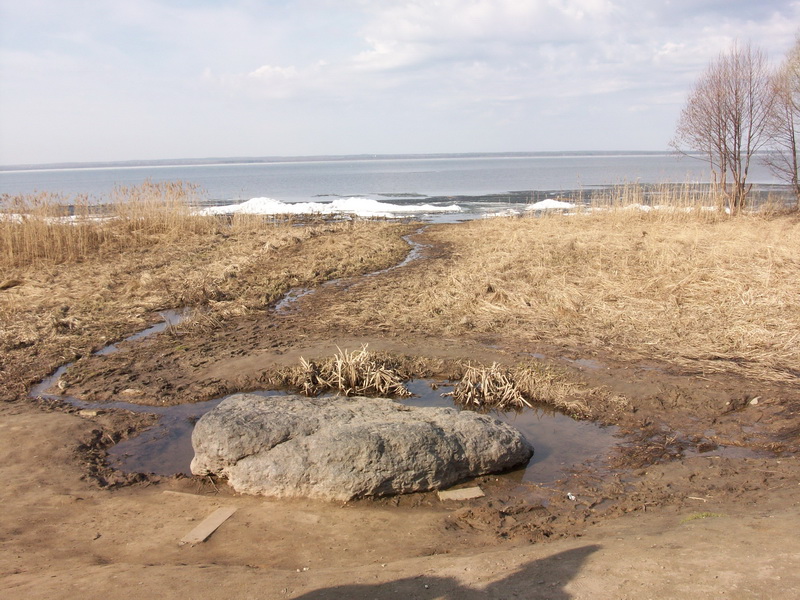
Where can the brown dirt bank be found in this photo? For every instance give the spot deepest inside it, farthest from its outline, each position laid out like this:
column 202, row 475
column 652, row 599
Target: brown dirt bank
column 730, row 534
column 700, row 499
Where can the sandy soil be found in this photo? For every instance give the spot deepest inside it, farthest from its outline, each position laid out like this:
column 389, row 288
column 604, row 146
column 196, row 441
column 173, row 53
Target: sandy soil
column 698, row 500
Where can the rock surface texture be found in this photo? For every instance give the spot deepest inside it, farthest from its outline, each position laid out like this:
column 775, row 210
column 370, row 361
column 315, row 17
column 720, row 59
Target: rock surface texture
column 344, row 448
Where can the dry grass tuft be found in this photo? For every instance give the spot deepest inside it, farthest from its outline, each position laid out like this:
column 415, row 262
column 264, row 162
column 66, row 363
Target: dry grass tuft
column 50, row 228
column 358, row 373
column 687, row 286
column 700, row 515
column 503, row 388
column 488, row 387
column 71, row 284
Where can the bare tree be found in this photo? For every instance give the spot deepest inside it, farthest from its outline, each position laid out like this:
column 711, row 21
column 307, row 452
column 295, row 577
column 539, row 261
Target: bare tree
column 725, row 118
column 784, row 122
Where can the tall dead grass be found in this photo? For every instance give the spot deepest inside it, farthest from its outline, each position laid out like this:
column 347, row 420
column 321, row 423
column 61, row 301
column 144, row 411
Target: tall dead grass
column 689, row 286
column 66, row 290
column 356, row 373
column 670, row 201
column 51, row 228
column 499, row 387
column 674, row 201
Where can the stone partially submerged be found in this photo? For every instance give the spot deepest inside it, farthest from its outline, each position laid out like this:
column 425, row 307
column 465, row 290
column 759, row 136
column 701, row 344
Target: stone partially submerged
column 344, row 448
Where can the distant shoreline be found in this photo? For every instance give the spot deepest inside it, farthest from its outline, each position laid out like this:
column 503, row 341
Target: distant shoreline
column 212, row 161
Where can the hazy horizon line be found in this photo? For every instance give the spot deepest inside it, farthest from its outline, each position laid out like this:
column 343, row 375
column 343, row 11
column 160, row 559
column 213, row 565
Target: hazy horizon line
column 254, row 160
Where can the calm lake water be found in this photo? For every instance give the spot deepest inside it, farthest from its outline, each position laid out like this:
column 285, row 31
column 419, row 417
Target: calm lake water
column 396, row 180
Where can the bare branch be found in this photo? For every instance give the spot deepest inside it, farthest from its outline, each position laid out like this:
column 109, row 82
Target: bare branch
column 726, row 117
column 784, row 122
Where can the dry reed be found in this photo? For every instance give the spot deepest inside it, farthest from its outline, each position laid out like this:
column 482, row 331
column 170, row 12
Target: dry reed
column 675, row 201
column 50, row 228
column 357, row 373
column 74, row 279
column 689, row 286
column 513, row 388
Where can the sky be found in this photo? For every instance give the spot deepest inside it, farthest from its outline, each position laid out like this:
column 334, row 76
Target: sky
column 104, row 80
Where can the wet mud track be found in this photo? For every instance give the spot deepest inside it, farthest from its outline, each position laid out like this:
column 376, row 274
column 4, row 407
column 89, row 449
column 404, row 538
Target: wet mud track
column 687, row 441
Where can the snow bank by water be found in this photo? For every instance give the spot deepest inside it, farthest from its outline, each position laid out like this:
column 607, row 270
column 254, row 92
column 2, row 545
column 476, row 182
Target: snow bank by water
column 510, row 212
column 362, row 207
column 22, row 218
column 549, row 205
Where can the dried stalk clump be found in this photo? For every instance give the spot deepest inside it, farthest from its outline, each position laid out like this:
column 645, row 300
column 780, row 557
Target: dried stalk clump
column 359, row 373
column 76, row 275
column 488, row 387
column 544, row 385
column 687, row 285
column 502, row 388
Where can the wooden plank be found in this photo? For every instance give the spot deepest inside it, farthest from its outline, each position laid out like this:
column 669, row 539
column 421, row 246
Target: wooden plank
column 208, row 526
column 462, row 494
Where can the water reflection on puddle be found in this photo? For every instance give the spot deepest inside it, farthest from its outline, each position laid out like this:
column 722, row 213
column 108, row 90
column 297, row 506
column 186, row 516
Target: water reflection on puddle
column 560, row 443
column 166, row 447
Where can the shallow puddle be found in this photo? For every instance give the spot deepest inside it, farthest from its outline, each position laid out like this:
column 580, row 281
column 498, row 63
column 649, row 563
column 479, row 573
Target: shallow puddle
column 560, row 443
column 587, row 363
column 291, row 297
column 166, row 447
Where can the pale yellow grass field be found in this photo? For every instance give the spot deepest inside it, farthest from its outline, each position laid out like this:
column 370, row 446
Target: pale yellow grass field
column 69, row 289
column 691, row 287
column 697, row 289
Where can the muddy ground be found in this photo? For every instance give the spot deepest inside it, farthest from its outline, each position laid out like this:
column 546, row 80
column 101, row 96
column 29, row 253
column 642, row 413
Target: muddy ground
column 699, row 498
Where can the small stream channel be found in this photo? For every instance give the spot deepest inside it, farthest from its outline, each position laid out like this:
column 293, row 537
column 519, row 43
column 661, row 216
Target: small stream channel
column 292, row 296
column 171, row 318
column 165, row 449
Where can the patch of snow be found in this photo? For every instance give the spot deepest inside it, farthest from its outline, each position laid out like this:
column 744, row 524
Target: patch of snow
column 549, row 205
column 363, row 207
column 510, row 212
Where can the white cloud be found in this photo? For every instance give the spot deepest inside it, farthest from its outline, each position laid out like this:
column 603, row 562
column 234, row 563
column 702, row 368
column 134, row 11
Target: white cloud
column 270, row 73
column 568, row 46
column 382, row 75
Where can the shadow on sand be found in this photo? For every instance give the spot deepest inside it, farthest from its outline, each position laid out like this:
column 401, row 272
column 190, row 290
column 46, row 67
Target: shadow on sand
column 543, row 578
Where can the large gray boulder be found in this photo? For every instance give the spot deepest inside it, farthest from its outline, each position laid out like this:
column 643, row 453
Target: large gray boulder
column 344, row 448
